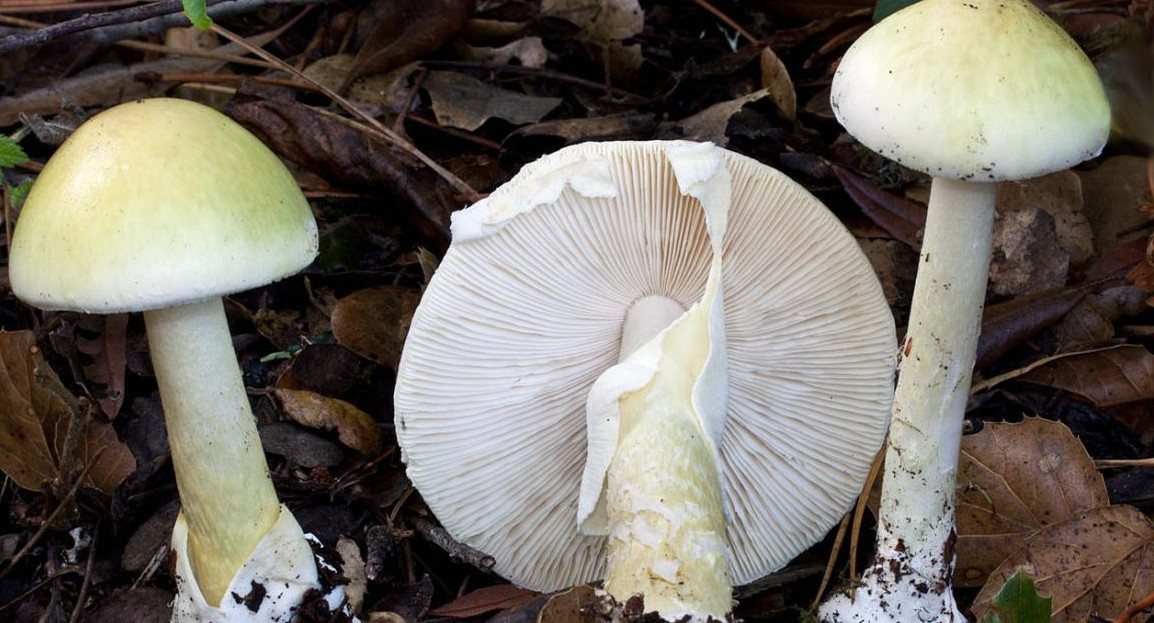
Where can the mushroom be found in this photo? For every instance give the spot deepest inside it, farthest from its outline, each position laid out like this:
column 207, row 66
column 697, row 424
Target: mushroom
column 660, row 364
column 971, row 92
column 164, row 206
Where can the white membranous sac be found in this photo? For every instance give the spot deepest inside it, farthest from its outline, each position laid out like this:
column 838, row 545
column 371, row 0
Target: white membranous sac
column 660, row 364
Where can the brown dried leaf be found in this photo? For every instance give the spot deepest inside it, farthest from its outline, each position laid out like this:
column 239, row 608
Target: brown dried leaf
column 528, row 52
column 464, row 102
column 1015, row 479
column 406, row 31
column 604, row 25
column 486, row 599
column 25, row 451
column 1105, row 377
column 35, row 411
column 775, row 79
column 354, row 427
column 580, row 604
column 1012, row 322
column 341, row 154
column 900, row 217
column 711, row 124
column 1020, row 238
column 1095, row 564
column 374, row 322
column 109, row 360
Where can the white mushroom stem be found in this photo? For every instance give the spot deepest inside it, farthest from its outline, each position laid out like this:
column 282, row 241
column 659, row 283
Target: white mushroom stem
column 663, row 494
column 227, row 497
column 911, row 577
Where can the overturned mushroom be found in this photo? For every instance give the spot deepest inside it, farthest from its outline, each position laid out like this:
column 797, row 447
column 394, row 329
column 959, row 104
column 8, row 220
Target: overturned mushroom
column 662, row 364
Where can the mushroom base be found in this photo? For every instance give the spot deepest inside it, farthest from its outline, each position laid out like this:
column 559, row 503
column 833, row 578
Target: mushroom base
column 267, row 588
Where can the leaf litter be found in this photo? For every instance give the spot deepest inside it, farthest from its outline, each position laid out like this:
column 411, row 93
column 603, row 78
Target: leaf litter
column 481, row 87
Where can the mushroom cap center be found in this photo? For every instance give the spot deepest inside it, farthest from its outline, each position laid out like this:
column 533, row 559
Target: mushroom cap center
column 645, row 318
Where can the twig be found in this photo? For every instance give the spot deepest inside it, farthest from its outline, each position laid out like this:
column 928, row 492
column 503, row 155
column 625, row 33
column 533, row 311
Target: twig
column 51, row 7
column 547, row 74
column 90, row 22
column 440, row 537
column 1135, row 609
column 714, row 11
column 418, row 82
column 19, row 599
column 133, row 22
column 461, row 134
column 829, row 566
column 374, row 127
column 51, row 519
column 226, row 78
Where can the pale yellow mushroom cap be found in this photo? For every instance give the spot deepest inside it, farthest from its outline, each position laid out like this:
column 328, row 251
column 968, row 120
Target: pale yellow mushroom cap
column 156, row 203
column 981, row 90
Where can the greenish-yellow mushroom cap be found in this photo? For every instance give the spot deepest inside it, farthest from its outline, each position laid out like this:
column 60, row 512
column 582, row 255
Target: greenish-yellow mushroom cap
column 982, row 90
column 157, row 203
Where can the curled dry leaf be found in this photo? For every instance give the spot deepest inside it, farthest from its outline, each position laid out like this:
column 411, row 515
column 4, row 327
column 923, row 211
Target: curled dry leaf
column 374, row 322
column 464, row 102
column 1096, row 564
column 775, row 79
column 354, row 427
column 35, row 411
column 528, row 52
column 604, row 24
column 1015, row 479
column 407, row 30
column 485, row 599
column 1105, row 377
column 108, row 360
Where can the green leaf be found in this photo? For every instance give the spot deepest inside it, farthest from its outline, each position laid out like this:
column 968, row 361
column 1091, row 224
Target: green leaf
column 884, row 8
column 10, row 153
column 1018, row 602
column 196, row 11
column 18, row 193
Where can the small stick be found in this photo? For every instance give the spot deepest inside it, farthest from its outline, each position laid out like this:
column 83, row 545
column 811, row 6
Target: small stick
column 1135, row 609
column 440, row 537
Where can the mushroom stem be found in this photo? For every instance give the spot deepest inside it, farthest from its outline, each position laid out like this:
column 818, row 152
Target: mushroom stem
column 667, row 537
column 911, row 577
column 227, row 497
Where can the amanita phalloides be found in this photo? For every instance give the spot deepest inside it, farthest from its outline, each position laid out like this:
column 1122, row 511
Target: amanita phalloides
column 164, row 206
column 971, row 92
column 659, row 364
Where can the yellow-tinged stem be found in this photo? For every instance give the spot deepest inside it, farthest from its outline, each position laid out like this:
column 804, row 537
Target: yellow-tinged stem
column 663, row 494
column 226, row 495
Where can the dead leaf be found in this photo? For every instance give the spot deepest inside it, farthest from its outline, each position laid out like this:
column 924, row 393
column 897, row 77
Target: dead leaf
column 338, row 152
column 899, row 217
column 604, row 24
column 35, row 410
column 1015, row 479
column 109, row 359
column 1113, row 192
column 1020, row 238
column 464, row 102
column 528, row 52
column 374, row 322
column 483, row 600
column 775, row 79
column 1059, row 195
column 1094, row 565
column 353, row 568
column 712, row 123
column 406, row 30
column 354, row 427
column 580, row 604
column 1105, row 377
column 1012, row 322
